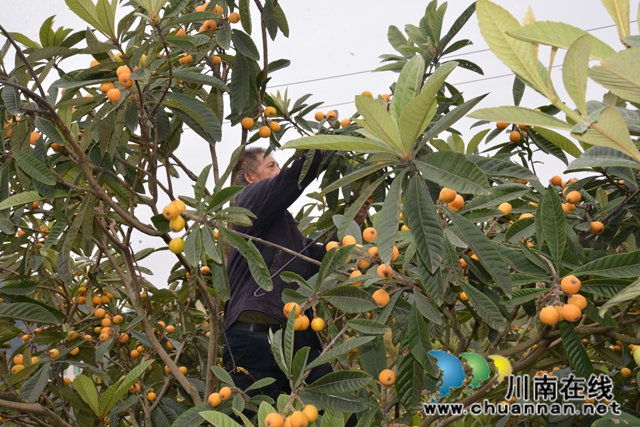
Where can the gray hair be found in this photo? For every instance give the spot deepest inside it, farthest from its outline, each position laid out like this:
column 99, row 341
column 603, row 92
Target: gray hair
column 250, row 163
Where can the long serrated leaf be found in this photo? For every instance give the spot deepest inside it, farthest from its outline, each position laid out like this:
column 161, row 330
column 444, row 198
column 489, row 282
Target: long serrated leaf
column 487, row 253
column 499, row 194
column 107, row 402
column 27, row 312
column 209, row 245
column 501, row 168
column 409, row 381
column 350, row 299
column 619, row 11
column 631, row 292
column 575, row 72
column 366, row 326
column 615, row 266
column 620, row 74
column 218, row 419
column 245, row 45
column 248, row 250
column 520, row 115
column 380, row 122
column 610, row 130
column 521, row 296
column 87, row 391
column 339, row 143
column 339, row 382
column 522, row 228
column 420, row 340
column 11, row 98
column 408, row 85
column 193, row 247
column 484, row 306
column 222, row 375
column 333, row 259
column 388, row 219
column 553, row 224
column 33, row 387
column 558, row 140
column 34, row 168
column 86, row 10
column 457, row 26
column 338, row 350
column 455, row 171
column 578, row 356
column 561, row 35
column 417, row 114
column 427, row 308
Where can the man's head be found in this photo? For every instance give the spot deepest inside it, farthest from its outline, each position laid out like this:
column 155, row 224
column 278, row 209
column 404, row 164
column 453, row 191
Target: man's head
column 255, row 167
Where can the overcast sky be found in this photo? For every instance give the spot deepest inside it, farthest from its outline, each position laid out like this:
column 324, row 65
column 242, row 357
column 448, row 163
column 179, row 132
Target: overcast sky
column 333, row 38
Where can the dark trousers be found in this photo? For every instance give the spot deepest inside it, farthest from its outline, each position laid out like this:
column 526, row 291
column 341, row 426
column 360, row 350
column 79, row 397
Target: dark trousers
column 252, row 352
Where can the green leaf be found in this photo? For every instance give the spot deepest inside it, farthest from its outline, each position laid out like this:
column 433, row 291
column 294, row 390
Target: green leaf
column 241, row 81
column 420, row 340
column 332, row 260
column 558, row 140
column 245, row 15
column 522, row 228
column 453, row 170
column 269, row 19
column 388, row 219
column 86, row 10
column 27, row 312
column 200, row 78
column 611, row 131
column 32, row 388
column 193, row 247
column 619, row 11
column 218, row 419
column 247, row 249
column 518, row 90
column 87, row 391
column 575, row 71
column 196, row 114
column 34, row 168
column 340, row 382
column 427, row 308
column 338, row 351
column 424, row 222
column 366, row 326
column 263, row 382
column 501, row 168
column 408, row 85
column 208, row 242
column 191, row 418
column 298, row 364
column 487, row 253
column 520, row 296
column 350, row 299
column 417, row 114
column 495, row 26
column 560, row 35
column 354, row 176
column 110, row 397
column 410, row 378
column 21, row 38
column 475, row 141
column 499, row 194
column 347, row 403
column 11, row 98
column 245, row 45
column 332, row 418
column 106, row 14
column 603, row 157
column 520, row 115
column 457, row 26
column 451, row 118
column 222, row 375
column 620, row 73
column 615, row 266
column 282, row 21
column 631, row 292
column 339, row 143
column 578, row 356
column 623, row 419
column 484, row 306
column 380, row 122
column 553, row 224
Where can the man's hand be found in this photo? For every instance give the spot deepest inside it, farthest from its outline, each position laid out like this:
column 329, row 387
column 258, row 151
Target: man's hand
column 362, row 213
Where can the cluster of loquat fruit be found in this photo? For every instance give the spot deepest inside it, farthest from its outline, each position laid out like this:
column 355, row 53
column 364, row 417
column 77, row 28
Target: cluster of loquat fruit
column 173, row 213
column 515, row 135
column 268, row 126
column 572, row 310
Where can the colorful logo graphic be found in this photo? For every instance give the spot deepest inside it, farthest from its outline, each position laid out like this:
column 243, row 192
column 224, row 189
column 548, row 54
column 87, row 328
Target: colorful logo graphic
column 453, row 370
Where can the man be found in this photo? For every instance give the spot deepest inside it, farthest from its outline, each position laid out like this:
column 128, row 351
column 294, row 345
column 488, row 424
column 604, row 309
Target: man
column 251, row 312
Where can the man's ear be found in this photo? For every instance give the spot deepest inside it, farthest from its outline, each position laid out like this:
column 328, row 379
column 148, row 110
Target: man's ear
column 249, row 178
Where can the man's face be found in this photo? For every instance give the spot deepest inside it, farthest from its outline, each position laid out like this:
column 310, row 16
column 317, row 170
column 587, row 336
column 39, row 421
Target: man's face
column 268, row 169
